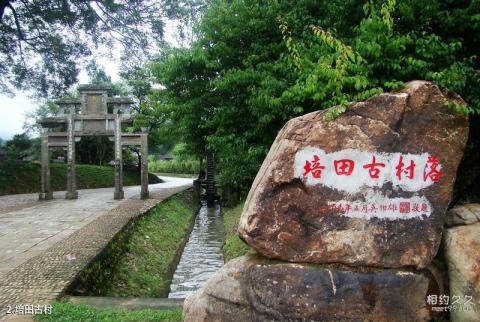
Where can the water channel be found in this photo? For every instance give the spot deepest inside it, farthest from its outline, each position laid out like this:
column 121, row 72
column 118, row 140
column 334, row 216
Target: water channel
column 202, row 255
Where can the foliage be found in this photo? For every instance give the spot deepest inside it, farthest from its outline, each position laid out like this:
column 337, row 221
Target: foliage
column 174, row 166
column 148, row 266
column 67, row 312
column 24, row 177
column 467, row 184
column 234, row 246
column 140, row 262
column 91, row 149
column 32, row 119
column 334, row 112
column 94, row 150
column 44, row 43
column 180, row 152
column 138, row 79
column 255, row 65
column 182, row 162
column 460, row 108
column 97, row 75
column 18, row 146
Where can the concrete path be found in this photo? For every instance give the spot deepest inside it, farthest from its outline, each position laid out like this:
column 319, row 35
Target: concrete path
column 28, row 226
column 38, row 239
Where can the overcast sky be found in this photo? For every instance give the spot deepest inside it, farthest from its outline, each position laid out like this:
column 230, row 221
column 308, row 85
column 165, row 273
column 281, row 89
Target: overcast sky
column 13, row 110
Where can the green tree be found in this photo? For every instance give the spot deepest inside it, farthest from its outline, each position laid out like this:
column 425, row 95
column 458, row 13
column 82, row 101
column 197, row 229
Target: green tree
column 207, row 87
column 97, row 74
column 256, row 64
column 18, row 146
column 94, row 150
column 32, row 119
column 43, row 43
column 139, row 80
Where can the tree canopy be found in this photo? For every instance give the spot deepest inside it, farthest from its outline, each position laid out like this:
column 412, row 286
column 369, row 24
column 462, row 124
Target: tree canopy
column 18, row 145
column 44, row 43
column 257, row 64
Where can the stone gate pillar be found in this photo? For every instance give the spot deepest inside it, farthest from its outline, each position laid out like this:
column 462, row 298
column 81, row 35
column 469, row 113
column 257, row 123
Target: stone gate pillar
column 45, row 192
column 144, row 166
column 71, row 179
column 118, row 194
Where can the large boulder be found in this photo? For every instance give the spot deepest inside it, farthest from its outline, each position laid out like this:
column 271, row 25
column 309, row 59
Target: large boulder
column 369, row 188
column 251, row 288
column 462, row 253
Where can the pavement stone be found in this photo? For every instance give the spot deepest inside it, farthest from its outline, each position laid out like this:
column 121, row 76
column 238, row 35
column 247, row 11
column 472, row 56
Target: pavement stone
column 44, row 247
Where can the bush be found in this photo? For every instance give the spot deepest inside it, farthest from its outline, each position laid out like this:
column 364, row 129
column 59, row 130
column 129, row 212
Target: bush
column 24, row 177
column 187, row 167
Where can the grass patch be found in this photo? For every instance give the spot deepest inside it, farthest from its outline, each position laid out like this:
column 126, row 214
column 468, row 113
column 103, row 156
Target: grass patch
column 140, row 261
column 234, row 246
column 24, row 177
column 147, row 268
column 67, row 312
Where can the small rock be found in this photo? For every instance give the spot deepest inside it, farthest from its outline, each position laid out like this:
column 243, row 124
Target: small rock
column 463, row 215
column 462, row 253
column 70, row 257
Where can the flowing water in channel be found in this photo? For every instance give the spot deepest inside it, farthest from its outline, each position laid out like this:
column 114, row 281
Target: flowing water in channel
column 202, row 255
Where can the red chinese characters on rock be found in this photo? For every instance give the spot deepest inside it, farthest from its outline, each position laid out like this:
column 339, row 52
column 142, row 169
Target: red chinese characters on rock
column 344, row 167
column 409, row 171
column 431, row 170
column 402, row 207
column 314, row 167
column 404, row 169
column 373, row 168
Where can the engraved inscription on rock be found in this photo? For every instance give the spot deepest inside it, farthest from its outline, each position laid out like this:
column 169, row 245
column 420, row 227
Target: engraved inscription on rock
column 369, row 188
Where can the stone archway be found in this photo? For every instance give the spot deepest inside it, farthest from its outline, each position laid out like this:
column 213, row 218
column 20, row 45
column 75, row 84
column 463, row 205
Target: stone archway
column 94, row 113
